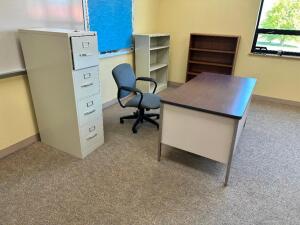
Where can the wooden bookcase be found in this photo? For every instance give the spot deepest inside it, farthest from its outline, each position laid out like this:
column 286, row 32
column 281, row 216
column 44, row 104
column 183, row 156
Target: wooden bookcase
column 152, row 60
column 211, row 53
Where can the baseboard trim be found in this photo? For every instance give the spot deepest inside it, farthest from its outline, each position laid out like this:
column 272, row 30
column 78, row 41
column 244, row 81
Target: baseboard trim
column 35, row 138
column 276, row 100
column 174, row 84
column 109, row 103
column 22, row 144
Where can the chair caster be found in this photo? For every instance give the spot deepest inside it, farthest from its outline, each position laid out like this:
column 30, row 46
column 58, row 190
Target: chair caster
column 134, row 130
column 121, row 121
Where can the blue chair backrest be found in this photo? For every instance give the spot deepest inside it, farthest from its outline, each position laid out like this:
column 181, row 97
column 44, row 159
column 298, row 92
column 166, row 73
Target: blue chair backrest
column 124, row 76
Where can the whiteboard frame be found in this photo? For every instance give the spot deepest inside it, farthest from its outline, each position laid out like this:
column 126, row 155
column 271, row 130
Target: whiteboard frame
column 86, row 17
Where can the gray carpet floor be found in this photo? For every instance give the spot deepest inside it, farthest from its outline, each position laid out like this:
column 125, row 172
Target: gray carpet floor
column 121, row 183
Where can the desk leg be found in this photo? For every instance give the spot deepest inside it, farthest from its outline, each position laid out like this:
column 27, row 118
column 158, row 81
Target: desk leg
column 160, row 131
column 234, row 139
column 159, row 152
column 245, row 122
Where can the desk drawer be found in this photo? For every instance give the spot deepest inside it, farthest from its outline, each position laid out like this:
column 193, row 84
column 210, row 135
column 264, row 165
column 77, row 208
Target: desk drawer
column 89, row 109
column 85, row 52
column 91, row 136
column 86, row 82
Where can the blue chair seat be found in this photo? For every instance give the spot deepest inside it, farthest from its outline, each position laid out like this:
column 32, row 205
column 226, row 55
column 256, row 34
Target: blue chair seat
column 150, row 101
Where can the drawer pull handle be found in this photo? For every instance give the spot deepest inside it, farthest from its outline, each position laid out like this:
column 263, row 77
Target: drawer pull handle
column 90, row 112
column 87, row 75
column 91, row 129
column 85, row 44
column 91, row 137
column 85, row 54
column 87, row 85
column 89, row 104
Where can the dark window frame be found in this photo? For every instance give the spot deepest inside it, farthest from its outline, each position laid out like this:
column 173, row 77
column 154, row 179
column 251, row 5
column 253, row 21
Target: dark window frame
column 263, row 50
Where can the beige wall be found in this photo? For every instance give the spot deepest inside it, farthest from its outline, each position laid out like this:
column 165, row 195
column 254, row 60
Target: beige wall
column 108, row 85
column 146, row 15
column 277, row 77
column 17, row 120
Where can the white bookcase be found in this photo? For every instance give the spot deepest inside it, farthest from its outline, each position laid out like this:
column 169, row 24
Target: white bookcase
column 152, row 60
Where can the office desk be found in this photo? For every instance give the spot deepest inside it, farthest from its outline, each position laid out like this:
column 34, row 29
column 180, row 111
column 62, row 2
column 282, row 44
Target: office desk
column 206, row 116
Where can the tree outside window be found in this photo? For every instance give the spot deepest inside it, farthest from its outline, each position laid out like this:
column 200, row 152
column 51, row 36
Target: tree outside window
column 279, row 27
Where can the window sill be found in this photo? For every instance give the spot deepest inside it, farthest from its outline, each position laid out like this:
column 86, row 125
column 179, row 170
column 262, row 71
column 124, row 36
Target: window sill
column 275, row 56
column 113, row 54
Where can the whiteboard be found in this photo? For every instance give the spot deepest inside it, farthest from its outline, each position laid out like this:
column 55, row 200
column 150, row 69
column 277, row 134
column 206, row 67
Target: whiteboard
column 16, row 14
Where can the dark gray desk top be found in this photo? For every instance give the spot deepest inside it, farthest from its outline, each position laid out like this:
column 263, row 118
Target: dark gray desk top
column 213, row 93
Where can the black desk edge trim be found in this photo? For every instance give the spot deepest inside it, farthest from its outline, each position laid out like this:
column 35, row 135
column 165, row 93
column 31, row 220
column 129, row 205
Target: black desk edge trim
column 202, row 110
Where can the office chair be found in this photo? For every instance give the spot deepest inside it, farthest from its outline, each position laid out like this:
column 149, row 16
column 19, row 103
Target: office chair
column 126, row 82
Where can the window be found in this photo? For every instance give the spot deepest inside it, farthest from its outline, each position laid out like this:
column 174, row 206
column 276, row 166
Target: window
column 112, row 19
column 278, row 28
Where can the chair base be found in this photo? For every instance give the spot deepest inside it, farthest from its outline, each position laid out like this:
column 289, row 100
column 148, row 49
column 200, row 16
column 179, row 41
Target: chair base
column 140, row 116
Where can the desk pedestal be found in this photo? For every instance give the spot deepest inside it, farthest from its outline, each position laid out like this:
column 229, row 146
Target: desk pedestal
column 205, row 134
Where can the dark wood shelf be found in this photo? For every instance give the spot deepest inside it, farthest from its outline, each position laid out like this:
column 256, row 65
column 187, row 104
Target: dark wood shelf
column 210, row 64
column 193, row 73
column 211, row 53
column 211, row 50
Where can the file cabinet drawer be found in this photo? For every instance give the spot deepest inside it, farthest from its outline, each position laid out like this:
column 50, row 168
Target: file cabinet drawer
column 86, row 82
column 91, row 136
column 89, row 109
column 85, row 52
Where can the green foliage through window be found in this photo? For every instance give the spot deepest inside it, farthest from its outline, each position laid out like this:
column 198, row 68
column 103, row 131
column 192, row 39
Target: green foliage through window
column 278, row 28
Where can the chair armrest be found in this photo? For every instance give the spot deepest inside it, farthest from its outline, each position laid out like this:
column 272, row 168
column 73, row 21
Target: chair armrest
column 130, row 89
column 146, row 79
column 149, row 79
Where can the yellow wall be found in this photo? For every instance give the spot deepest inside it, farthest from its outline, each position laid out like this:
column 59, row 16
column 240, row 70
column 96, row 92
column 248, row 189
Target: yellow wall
column 146, row 16
column 278, row 78
column 108, row 85
column 17, row 119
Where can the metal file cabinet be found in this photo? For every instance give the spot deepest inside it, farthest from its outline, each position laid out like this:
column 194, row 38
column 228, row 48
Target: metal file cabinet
column 63, row 74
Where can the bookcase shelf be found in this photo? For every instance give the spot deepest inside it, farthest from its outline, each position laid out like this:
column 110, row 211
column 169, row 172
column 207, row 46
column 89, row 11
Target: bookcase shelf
column 211, row 50
column 194, row 74
column 209, row 63
column 211, row 53
column 158, row 48
column 157, row 66
column 152, row 59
